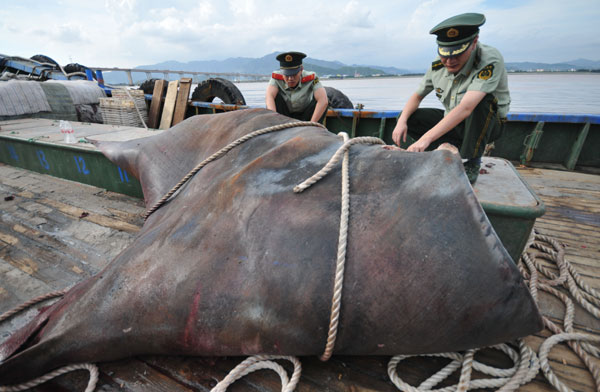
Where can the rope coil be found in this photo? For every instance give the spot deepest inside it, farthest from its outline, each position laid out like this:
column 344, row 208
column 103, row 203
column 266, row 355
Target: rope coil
column 531, row 269
column 525, row 368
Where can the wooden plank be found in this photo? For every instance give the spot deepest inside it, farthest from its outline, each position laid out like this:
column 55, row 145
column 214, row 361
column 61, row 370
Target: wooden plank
column 185, row 84
column 81, row 213
column 154, row 114
column 167, row 115
column 135, row 375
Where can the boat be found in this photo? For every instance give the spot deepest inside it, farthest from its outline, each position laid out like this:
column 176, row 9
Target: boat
column 545, row 163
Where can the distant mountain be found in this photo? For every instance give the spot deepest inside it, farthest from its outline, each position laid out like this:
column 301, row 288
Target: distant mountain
column 258, row 66
column 266, row 64
column 574, row 65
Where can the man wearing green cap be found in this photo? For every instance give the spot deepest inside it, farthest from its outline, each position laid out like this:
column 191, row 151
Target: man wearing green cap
column 294, row 92
column 470, row 80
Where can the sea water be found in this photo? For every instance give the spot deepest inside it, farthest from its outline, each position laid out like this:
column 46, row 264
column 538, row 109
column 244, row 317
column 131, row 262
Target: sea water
column 566, row 93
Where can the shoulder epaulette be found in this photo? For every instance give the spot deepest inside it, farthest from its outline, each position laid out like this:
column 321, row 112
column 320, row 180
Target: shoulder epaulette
column 277, row 76
column 437, row 65
column 308, row 78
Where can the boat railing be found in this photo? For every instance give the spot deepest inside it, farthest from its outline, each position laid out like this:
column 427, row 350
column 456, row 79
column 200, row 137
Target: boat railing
column 166, row 73
column 559, row 141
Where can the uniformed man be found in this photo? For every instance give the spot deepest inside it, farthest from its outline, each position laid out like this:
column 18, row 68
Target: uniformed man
column 470, row 80
column 294, row 92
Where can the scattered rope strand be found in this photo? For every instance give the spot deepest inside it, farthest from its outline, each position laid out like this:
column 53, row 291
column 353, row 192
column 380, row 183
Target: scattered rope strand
column 545, row 349
column 93, row 369
column 224, row 151
column 12, row 312
column 259, row 362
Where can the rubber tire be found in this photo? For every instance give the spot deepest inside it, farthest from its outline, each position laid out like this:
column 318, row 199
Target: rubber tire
column 75, row 67
column 148, row 86
column 337, row 99
column 43, row 59
column 221, row 88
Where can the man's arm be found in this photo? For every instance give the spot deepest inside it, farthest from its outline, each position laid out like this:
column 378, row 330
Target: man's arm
column 452, row 119
column 270, row 97
column 321, row 97
column 401, row 128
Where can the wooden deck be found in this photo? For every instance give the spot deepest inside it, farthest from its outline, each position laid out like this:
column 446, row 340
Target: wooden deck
column 54, row 233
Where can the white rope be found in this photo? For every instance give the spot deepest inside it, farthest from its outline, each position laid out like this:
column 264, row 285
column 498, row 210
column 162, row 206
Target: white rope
column 335, row 159
column 31, row 302
column 259, row 362
column 552, row 341
column 262, row 361
column 224, row 151
column 49, row 376
column 336, row 301
column 525, row 369
column 578, row 290
column 93, row 369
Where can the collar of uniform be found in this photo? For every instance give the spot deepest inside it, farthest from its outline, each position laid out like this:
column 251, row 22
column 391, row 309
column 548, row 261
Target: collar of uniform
column 466, row 70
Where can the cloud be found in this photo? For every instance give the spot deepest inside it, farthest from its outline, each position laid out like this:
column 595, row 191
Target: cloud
column 127, row 33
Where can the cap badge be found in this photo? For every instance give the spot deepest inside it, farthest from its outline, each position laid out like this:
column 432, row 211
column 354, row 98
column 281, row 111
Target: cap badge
column 288, row 58
column 451, row 33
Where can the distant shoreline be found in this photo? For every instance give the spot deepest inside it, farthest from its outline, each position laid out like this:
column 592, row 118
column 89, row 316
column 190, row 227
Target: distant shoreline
column 416, row 75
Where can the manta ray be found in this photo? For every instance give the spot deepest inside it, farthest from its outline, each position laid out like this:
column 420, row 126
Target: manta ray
column 237, row 263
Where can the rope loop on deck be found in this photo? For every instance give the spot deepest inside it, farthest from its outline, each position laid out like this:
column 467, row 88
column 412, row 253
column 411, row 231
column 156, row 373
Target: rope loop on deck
column 524, row 370
column 224, row 151
column 531, row 267
column 258, row 362
column 93, row 369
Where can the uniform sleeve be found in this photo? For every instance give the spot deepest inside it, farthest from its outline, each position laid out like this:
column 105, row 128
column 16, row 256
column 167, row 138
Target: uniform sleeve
column 426, row 85
column 272, row 82
column 487, row 77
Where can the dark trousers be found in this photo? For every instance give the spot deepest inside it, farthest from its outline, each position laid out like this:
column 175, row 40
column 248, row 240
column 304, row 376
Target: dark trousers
column 483, row 126
column 304, row 115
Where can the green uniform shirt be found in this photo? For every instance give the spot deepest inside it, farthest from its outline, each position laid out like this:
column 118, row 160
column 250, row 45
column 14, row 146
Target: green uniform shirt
column 299, row 97
column 484, row 71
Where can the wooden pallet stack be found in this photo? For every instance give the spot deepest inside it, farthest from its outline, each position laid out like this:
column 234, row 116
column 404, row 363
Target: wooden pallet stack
column 163, row 116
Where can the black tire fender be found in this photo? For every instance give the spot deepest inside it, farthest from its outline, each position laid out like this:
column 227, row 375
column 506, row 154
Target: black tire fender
column 40, row 58
column 148, row 86
column 212, row 88
column 337, row 99
column 75, row 67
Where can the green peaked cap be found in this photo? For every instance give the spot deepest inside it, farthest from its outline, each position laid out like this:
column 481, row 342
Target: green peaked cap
column 455, row 34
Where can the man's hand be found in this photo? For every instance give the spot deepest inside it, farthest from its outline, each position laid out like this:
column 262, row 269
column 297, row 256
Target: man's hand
column 419, row 146
column 399, row 133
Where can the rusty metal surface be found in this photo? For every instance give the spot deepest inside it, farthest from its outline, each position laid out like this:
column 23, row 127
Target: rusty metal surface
column 237, row 264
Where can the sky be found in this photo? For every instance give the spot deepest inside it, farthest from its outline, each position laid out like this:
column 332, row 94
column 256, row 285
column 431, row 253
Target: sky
column 129, row 33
